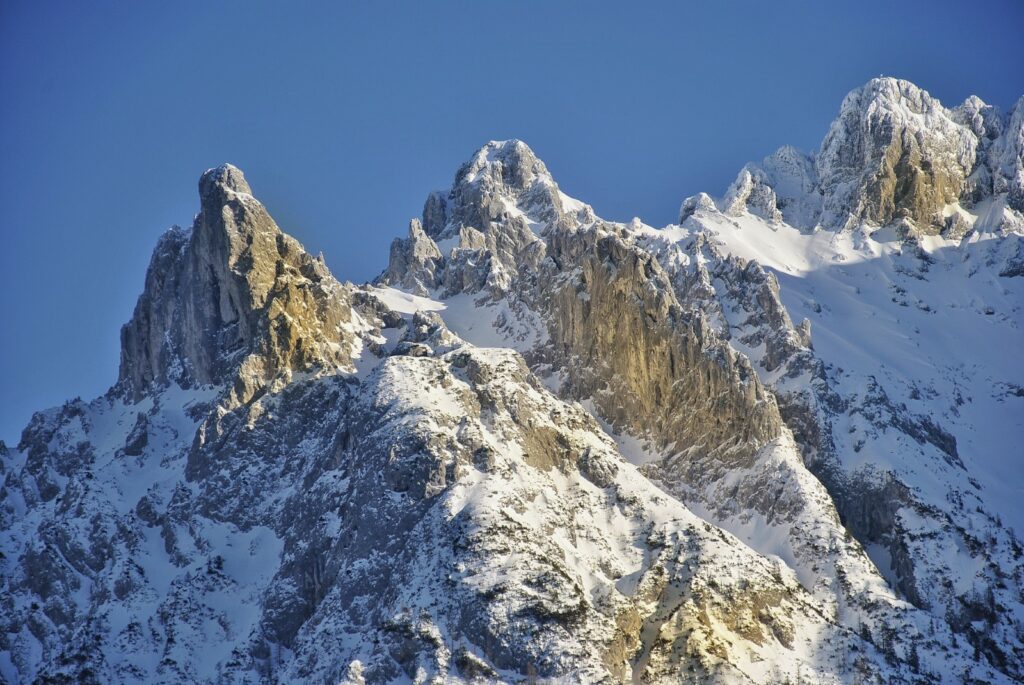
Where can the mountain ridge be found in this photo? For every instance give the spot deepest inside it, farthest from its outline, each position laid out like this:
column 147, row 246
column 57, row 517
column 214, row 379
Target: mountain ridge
column 894, row 152
column 541, row 444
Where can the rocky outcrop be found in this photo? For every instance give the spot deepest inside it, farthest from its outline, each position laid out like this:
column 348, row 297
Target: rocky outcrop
column 515, row 236
column 415, row 262
column 622, row 340
column 1006, row 159
column 500, row 176
column 701, row 202
column 894, row 154
column 752, row 192
column 233, row 300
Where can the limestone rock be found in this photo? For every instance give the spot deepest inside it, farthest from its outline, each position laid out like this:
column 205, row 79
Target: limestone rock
column 415, row 261
column 751, row 192
column 232, row 299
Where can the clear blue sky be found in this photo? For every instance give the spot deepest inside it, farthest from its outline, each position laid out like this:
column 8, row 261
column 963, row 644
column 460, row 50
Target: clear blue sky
column 344, row 115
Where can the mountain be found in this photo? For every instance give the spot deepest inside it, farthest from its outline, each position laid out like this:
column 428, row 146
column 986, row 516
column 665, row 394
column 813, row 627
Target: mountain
column 542, row 445
column 895, row 155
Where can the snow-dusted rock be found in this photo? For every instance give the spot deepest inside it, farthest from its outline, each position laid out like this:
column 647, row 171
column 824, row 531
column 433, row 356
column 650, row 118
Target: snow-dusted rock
column 752, row 192
column 893, row 152
column 415, row 261
column 893, row 155
column 701, row 202
column 549, row 446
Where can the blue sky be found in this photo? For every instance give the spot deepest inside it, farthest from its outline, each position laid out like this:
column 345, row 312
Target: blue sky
column 345, row 115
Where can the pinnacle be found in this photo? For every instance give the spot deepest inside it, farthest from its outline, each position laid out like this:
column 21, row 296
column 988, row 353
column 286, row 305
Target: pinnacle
column 223, row 177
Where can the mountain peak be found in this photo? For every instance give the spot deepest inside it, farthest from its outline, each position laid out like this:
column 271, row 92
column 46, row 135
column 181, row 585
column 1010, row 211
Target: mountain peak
column 888, row 89
column 894, row 152
column 233, row 287
column 509, row 163
column 221, row 178
column 891, row 96
column 502, row 178
column 894, row 155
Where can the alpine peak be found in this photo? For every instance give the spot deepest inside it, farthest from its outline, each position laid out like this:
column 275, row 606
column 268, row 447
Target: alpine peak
column 232, row 289
column 224, row 177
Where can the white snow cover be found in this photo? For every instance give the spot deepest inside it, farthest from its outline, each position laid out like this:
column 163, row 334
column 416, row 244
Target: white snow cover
column 451, row 508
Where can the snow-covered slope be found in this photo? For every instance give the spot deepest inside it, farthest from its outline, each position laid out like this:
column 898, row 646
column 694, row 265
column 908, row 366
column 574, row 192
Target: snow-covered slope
column 544, row 445
column 916, row 417
column 295, row 481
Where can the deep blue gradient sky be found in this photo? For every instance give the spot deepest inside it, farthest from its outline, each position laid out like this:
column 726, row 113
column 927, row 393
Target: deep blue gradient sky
column 345, row 115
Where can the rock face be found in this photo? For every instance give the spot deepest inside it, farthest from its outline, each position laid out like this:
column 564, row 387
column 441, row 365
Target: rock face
column 414, row 261
column 232, row 289
column 548, row 446
column 577, row 274
column 1004, row 164
column 893, row 154
column 655, row 358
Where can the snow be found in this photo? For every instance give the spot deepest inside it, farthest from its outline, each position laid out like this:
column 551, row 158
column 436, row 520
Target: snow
column 928, row 328
column 934, row 329
column 635, row 450
column 570, row 204
column 403, row 302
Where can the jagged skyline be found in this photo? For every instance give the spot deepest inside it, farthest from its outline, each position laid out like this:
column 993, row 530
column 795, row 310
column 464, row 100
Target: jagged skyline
column 543, row 443
column 632, row 109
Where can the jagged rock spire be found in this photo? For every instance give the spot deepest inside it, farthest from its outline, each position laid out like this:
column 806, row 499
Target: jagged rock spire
column 231, row 287
column 500, row 176
column 893, row 154
column 491, row 219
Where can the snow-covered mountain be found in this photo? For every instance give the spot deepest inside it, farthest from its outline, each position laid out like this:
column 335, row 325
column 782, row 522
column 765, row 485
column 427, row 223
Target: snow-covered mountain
column 546, row 446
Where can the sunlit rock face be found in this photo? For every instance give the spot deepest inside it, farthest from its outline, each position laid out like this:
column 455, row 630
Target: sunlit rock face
column 233, row 300
column 894, row 154
column 546, row 446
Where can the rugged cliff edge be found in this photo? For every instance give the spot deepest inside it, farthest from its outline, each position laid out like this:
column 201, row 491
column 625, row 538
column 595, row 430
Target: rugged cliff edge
column 894, row 154
column 546, row 445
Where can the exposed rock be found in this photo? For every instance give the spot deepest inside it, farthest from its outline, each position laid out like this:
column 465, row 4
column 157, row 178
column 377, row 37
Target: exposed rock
column 233, row 299
column 751, row 192
column 701, row 202
column 894, row 152
column 138, row 438
column 1007, row 159
column 414, row 262
column 893, row 155
column 653, row 360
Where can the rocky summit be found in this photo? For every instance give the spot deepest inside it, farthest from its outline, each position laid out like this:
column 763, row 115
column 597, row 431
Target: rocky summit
column 777, row 442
